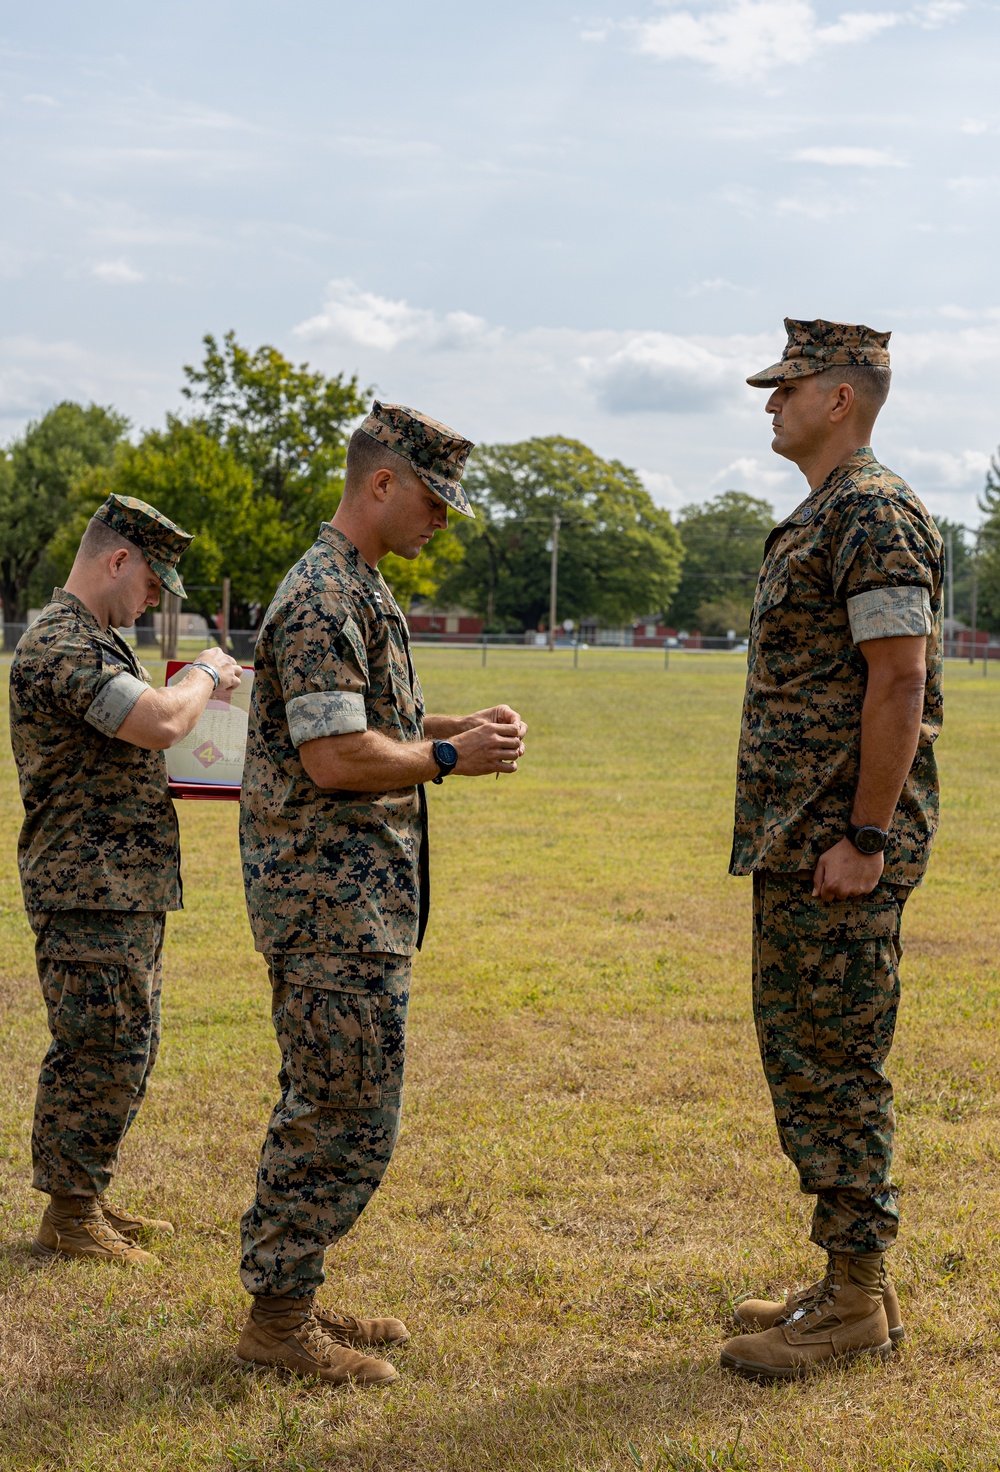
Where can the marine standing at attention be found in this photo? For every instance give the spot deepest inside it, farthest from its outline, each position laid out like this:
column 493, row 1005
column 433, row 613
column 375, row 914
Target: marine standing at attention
column 836, row 809
column 99, row 861
column 333, row 834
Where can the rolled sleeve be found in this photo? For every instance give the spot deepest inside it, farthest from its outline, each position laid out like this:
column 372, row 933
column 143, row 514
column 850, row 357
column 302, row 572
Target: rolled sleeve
column 889, row 613
column 113, row 702
column 325, row 713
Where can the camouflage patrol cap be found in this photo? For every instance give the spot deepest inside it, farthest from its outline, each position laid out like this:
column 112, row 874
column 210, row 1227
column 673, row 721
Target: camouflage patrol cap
column 157, row 538
column 437, row 453
column 813, row 347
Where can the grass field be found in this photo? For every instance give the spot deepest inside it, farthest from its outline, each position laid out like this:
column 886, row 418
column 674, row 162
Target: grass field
column 587, row 1174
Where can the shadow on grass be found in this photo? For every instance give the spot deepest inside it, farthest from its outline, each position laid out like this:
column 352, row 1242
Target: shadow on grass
column 682, row 1417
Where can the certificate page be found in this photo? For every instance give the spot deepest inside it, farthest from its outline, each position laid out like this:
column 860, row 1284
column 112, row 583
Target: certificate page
column 215, row 749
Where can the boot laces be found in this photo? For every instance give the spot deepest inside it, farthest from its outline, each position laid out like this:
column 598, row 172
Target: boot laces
column 815, row 1299
column 314, row 1337
column 338, row 1327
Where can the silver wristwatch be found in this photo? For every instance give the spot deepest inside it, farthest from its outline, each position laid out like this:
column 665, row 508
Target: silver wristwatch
column 200, row 664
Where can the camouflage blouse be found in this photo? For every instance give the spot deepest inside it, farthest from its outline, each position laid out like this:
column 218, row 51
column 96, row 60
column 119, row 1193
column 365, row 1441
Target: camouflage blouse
column 100, row 832
column 325, row 870
column 859, row 559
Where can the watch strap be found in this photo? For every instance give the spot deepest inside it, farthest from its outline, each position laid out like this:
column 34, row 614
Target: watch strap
column 201, row 664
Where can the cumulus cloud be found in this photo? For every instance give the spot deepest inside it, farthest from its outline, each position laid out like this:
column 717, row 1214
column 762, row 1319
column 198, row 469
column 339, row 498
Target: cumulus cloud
column 746, row 473
column 116, row 273
column 659, row 372
column 373, row 321
column 849, row 158
column 746, row 38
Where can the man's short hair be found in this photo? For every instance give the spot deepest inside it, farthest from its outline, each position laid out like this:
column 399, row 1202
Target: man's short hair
column 870, row 384
column 366, row 455
column 99, row 540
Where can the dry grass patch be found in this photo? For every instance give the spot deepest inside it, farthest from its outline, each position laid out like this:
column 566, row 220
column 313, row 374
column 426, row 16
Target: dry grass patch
column 587, row 1176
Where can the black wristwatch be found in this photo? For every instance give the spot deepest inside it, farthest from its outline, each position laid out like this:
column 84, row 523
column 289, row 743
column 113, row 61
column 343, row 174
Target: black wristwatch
column 867, row 839
column 446, row 756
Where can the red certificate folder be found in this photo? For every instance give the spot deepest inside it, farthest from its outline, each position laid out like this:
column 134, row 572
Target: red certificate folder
column 200, row 791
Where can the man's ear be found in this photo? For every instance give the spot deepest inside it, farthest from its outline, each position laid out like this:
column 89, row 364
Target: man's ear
column 380, row 483
column 843, row 403
column 117, row 561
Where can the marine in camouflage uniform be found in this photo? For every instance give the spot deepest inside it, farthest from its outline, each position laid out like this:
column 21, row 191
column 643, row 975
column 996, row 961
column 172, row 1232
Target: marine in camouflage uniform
column 337, row 892
column 333, row 892
column 860, row 559
column 99, row 864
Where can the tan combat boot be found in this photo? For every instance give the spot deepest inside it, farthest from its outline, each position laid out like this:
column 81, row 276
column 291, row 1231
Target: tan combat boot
column 286, row 1332
column 360, row 1333
column 130, row 1224
column 763, row 1313
column 74, row 1226
column 837, row 1321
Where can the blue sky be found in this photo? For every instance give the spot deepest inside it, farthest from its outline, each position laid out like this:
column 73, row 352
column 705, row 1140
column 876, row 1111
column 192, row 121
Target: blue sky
column 523, row 218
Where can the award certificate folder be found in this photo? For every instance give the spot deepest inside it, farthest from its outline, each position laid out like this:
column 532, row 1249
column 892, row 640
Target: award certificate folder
column 208, row 763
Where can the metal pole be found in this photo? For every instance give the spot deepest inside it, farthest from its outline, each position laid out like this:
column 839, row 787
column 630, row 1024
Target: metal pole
column 666, row 655
column 576, row 654
column 227, row 588
column 554, row 579
column 950, row 570
column 484, row 649
column 975, row 599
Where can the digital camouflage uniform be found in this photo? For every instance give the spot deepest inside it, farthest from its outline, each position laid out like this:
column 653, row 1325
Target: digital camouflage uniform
column 336, row 883
column 859, row 559
column 99, row 863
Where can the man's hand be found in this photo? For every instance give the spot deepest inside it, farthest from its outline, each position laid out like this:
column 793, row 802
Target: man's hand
column 228, row 669
column 844, row 873
column 489, row 746
column 499, row 715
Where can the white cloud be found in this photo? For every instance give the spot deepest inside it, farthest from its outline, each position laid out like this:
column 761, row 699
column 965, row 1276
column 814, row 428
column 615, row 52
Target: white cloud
column 948, row 469
column 746, row 473
column 658, row 372
column 373, row 321
column 116, row 273
column 594, row 36
column 746, row 38
column 852, row 158
column 938, row 13
column 663, row 488
column 816, row 205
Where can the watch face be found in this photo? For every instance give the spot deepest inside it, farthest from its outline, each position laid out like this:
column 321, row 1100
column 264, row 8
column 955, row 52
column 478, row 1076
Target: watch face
column 445, row 754
column 870, row 840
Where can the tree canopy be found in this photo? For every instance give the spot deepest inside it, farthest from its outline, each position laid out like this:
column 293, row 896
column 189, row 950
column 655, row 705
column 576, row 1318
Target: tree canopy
column 723, row 550
column 37, row 473
column 619, row 554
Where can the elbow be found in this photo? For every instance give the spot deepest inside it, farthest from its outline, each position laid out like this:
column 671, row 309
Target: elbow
column 168, row 733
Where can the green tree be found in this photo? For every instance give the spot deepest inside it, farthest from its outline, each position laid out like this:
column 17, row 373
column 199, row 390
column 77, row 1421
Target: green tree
column 962, row 559
column 39, row 471
column 196, row 481
column 619, row 554
column 988, row 599
column 289, row 427
column 723, row 550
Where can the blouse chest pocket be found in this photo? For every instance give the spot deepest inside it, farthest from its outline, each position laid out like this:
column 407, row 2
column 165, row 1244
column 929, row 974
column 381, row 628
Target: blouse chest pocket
column 398, row 691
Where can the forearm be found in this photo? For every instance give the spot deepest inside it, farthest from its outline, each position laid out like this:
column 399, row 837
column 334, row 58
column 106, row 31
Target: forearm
column 442, row 728
column 890, row 730
column 161, row 718
column 367, row 761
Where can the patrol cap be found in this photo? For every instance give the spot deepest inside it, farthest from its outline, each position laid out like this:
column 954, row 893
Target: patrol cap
column 813, row 347
column 437, row 453
column 159, row 540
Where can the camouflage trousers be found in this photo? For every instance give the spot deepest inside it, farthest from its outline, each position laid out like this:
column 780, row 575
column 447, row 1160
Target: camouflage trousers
column 825, row 998
column 100, row 972
column 340, row 1021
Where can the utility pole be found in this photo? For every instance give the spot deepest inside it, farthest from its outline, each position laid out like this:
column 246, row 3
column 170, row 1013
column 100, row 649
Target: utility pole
column 975, row 599
column 554, row 580
column 227, row 589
